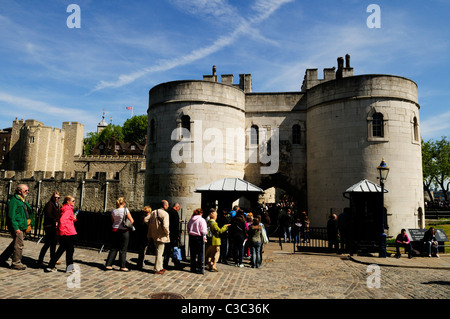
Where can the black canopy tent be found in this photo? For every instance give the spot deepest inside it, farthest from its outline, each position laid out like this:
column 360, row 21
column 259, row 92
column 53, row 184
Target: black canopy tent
column 365, row 210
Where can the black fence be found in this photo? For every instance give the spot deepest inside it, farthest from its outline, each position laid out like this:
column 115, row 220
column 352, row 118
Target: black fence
column 93, row 228
column 436, row 214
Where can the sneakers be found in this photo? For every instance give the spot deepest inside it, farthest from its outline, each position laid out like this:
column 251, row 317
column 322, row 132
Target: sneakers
column 50, row 269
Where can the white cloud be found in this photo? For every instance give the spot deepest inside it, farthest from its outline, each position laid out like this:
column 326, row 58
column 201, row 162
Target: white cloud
column 21, row 107
column 437, row 125
column 263, row 10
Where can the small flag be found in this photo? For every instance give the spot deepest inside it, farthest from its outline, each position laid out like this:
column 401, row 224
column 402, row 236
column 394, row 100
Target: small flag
column 129, row 107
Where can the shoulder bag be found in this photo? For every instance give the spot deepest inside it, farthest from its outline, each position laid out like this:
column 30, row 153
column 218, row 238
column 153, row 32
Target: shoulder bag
column 126, row 223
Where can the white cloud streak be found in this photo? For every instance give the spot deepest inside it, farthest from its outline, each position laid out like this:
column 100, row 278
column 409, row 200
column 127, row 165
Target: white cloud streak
column 220, row 9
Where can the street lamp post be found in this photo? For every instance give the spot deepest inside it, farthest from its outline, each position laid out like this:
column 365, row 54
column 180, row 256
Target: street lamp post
column 383, row 171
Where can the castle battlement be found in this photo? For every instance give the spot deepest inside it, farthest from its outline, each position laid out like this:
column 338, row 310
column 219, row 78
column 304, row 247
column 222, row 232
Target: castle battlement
column 101, row 158
column 311, row 77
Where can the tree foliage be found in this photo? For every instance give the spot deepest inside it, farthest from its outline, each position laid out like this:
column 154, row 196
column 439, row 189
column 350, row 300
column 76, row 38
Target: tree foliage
column 135, row 129
column 436, row 165
column 109, row 131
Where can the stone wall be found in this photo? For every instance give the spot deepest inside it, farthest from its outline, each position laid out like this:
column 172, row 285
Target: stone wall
column 97, row 192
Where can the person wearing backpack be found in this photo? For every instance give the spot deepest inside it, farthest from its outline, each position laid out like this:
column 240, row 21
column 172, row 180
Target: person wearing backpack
column 214, row 241
column 20, row 219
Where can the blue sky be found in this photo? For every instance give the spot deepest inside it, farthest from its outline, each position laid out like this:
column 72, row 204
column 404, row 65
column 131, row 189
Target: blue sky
column 53, row 73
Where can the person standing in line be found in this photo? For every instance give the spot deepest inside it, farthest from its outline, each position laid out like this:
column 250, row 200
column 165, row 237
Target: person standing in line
column 174, row 234
column 255, row 237
column 214, row 242
column 197, row 230
column 66, row 232
column 20, row 219
column 222, row 220
column 238, row 236
column 51, row 220
column 158, row 230
column 120, row 235
column 141, row 232
column 332, row 232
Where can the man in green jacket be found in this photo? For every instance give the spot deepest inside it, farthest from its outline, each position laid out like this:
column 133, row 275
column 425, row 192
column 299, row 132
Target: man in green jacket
column 20, row 216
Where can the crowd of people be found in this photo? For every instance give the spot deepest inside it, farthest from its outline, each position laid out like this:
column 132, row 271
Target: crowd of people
column 213, row 238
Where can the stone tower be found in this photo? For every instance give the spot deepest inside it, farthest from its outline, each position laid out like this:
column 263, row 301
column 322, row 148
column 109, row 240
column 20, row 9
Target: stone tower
column 352, row 123
column 333, row 133
column 188, row 143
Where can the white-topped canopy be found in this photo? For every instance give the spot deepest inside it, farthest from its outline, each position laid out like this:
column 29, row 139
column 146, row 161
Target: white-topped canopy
column 229, row 184
column 365, row 186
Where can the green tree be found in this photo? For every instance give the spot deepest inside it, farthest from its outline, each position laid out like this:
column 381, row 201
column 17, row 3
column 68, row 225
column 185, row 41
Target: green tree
column 442, row 157
column 428, row 167
column 135, row 129
column 436, row 165
column 108, row 132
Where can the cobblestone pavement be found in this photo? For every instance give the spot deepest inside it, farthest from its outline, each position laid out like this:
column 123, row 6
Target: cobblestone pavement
column 283, row 275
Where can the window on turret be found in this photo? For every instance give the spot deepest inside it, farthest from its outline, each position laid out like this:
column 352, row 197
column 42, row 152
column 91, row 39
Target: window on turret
column 296, row 134
column 416, row 129
column 254, row 135
column 185, row 123
column 377, row 125
column 152, row 130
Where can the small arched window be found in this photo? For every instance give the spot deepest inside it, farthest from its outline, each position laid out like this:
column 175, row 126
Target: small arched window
column 296, row 134
column 377, row 125
column 254, row 135
column 152, row 130
column 185, row 124
column 415, row 129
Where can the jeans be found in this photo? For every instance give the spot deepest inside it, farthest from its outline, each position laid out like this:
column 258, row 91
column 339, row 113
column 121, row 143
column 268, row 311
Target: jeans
column 196, row 245
column 431, row 245
column 51, row 239
column 287, row 233
column 119, row 245
column 66, row 244
column 238, row 249
column 408, row 248
column 256, row 254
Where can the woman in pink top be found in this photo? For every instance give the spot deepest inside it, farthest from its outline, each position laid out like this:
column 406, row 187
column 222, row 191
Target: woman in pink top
column 197, row 230
column 66, row 231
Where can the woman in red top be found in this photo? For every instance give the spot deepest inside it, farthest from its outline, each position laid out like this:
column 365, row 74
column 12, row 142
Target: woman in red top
column 66, row 232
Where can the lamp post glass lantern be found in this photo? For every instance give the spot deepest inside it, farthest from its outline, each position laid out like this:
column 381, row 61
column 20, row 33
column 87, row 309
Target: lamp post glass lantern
column 383, row 171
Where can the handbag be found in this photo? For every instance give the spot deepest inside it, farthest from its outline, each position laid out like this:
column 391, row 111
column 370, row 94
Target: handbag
column 126, row 222
column 177, row 254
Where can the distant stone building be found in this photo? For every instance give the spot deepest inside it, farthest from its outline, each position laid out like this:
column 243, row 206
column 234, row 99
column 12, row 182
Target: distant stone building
column 36, row 147
column 48, row 159
column 330, row 135
column 5, row 145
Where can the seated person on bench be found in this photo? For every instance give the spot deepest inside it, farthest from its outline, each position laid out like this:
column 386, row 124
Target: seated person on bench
column 402, row 240
column 430, row 240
